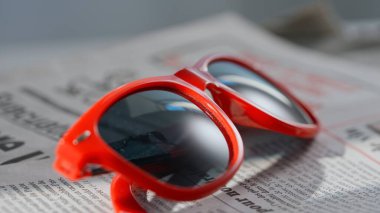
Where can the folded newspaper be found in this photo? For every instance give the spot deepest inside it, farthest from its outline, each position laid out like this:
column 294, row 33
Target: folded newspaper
column 338, row 172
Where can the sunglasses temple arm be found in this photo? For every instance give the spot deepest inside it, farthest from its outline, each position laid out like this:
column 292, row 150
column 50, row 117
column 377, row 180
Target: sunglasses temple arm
column 122, row 198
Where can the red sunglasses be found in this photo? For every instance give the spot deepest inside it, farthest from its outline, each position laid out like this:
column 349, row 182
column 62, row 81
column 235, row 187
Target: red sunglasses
column 167, row 135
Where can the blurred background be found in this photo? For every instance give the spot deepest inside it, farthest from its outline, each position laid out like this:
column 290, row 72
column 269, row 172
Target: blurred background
column 342, row 27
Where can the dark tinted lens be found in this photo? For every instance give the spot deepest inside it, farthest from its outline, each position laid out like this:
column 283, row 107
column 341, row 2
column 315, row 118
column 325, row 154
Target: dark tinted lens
column 258, row 91
column 167, row 136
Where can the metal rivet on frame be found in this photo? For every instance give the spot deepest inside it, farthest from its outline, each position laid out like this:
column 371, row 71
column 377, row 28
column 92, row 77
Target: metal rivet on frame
column 82, row 137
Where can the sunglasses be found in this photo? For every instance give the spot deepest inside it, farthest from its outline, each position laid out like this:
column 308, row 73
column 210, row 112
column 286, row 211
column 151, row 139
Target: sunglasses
column 175, row 135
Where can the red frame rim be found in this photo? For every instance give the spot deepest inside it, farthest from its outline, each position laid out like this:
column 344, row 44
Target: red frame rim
column 276, row 123
column 95, row 150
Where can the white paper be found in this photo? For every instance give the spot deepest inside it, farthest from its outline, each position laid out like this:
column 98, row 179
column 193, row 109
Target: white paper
column 338, row 172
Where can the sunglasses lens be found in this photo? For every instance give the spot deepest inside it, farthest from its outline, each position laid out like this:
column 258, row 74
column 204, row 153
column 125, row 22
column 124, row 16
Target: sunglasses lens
column 257, row 90
column 167, row 136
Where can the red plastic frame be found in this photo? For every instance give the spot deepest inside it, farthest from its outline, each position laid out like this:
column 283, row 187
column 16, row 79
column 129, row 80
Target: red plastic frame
column 247, row 113
column 72, row 157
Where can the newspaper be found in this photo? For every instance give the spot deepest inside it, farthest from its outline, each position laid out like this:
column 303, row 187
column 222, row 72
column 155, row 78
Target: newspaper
column 337, row 172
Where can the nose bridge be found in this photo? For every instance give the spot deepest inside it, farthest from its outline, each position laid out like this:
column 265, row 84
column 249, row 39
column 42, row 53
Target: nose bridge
column 194, row 77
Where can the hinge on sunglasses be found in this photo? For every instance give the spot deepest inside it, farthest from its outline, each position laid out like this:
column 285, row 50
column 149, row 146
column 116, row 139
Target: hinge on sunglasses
column 95, row 169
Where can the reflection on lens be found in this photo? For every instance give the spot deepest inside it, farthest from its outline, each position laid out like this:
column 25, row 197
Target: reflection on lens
column 257, row 90
column 167, row 136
